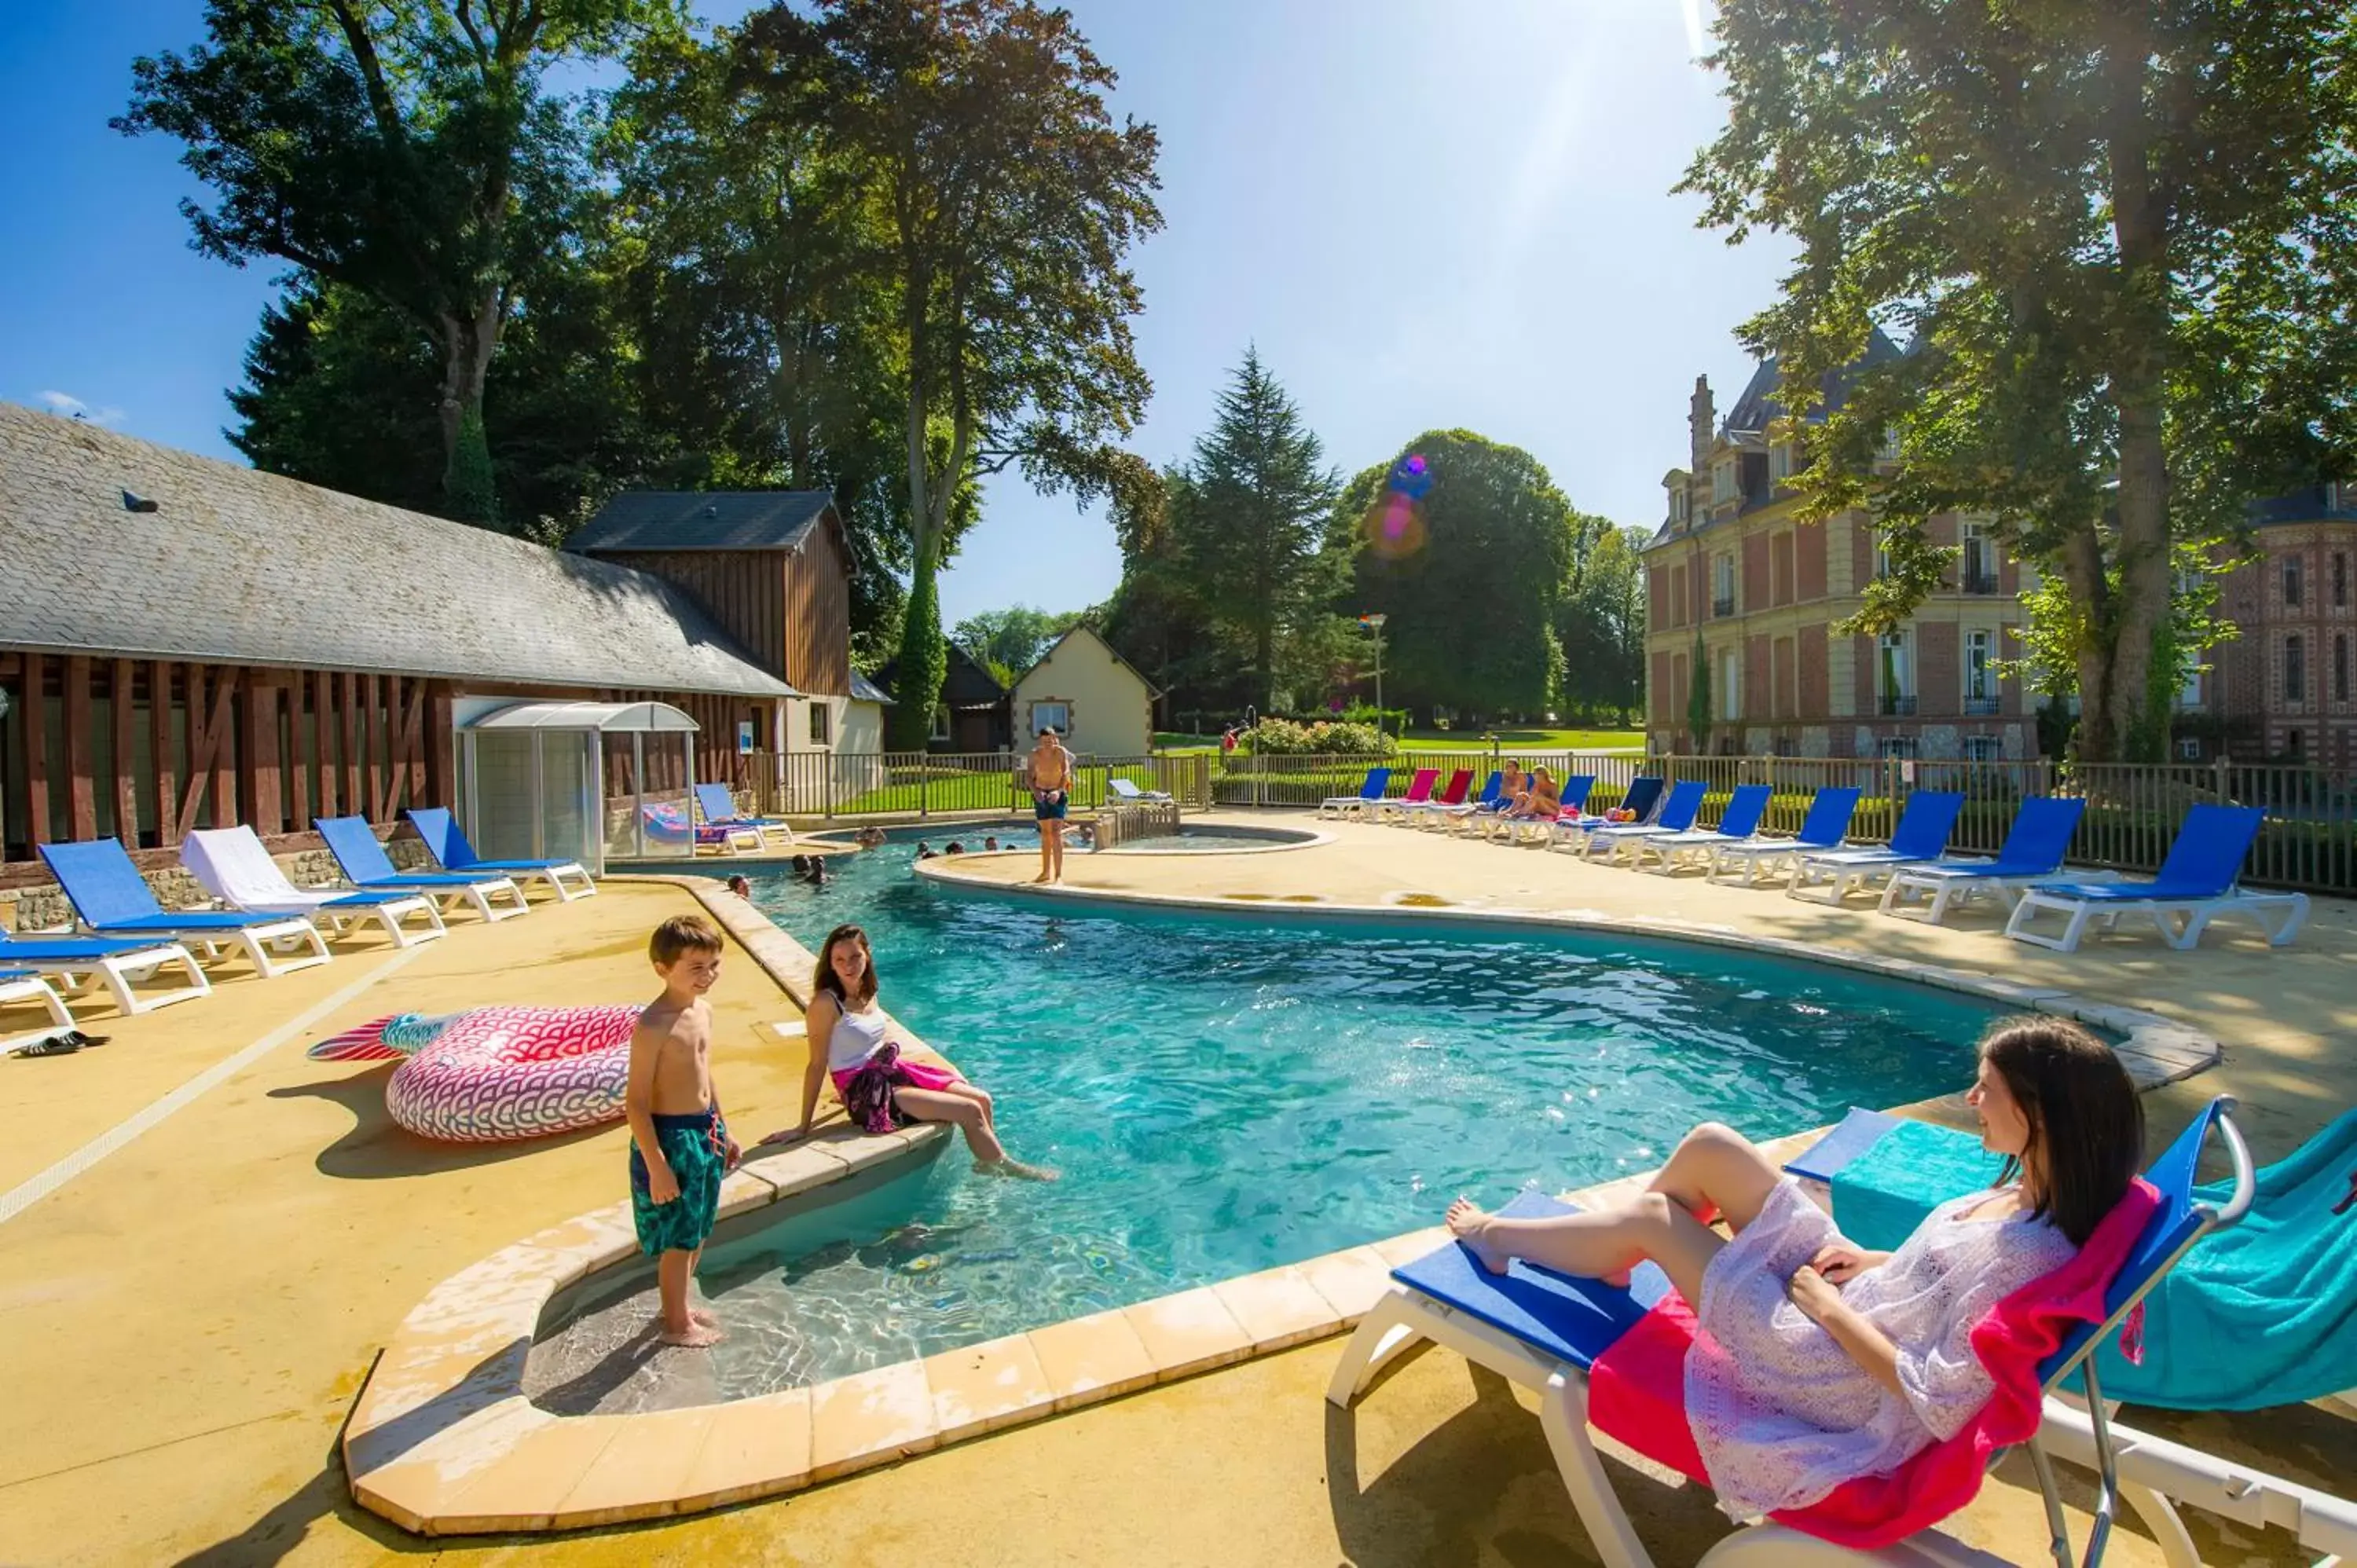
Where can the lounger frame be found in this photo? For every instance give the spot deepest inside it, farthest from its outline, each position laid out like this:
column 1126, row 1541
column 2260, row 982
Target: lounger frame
column 392, row 913
column 121, row 973
column 1830, row 876
column 1947, row 884
column 17, row 988
column 2179, row 921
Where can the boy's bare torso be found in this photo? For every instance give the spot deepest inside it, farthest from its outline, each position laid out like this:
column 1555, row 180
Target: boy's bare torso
column 1050, row 768
column 683, row 1037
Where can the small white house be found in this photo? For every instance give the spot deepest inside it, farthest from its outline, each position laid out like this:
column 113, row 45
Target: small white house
column 862, row 717
column 1095, row 699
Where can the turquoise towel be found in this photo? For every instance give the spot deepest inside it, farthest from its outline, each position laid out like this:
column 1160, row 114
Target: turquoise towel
column 2263, row 1314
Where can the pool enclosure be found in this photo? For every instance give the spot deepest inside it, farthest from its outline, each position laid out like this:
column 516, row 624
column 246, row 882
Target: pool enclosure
column 533, row 781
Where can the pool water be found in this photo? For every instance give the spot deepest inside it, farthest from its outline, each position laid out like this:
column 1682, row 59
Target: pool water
column 1229, row 1093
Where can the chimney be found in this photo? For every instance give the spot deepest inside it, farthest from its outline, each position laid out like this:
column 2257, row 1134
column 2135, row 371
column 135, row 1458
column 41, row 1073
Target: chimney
column 1702, row 421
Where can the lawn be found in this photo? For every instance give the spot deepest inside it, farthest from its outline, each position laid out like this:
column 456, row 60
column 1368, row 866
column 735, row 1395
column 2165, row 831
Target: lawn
column 1457, row 740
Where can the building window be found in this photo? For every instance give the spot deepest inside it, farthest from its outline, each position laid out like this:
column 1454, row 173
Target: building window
column 1786, row 746
column 1894, row 676
column 1980, row 562
column 2295, row 669
column 1981, row 749
column 2188, row 748
column 1888, row 452
column 1722, row 586
column 2339, row 581
column 2341, row 667
column 1779, row 461
column 2291, row 582
column 1678, row 504
column 1722, row 482
column 1731, row 704
column 2188, row 687
column 1881, row 561
column 2295, row 744
column 1052, row 715
column 1980, row 673
column 942, row 723
column 1898, row 747
column 822, row 719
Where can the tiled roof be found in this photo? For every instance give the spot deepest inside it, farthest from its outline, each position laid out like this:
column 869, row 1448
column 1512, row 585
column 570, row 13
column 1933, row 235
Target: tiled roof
column 862, row 690
column 968, row 684
column 242, row 568
column 1758, row 407
column 701, row 519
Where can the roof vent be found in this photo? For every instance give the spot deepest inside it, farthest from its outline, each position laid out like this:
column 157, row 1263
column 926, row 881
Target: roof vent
column 138, row 503
column 710, row 509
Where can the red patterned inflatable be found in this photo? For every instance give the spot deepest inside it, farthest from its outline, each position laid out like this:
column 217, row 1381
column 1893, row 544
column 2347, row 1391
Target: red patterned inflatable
column 495, row 1073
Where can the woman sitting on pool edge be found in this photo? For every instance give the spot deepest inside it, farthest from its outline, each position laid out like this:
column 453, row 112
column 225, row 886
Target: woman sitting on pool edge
column 880, row 1087
column 1817, row 1360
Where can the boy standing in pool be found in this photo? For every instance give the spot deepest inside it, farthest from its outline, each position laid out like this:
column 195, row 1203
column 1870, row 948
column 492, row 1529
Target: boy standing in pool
column 1051, row 776
column 680, row 1148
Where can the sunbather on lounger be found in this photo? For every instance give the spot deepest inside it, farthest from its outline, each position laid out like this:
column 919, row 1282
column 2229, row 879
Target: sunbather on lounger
column 1542, row 800
column 1819, row 1360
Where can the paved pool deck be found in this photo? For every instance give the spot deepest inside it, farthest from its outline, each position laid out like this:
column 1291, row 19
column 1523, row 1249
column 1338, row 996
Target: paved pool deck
column 184, row 1324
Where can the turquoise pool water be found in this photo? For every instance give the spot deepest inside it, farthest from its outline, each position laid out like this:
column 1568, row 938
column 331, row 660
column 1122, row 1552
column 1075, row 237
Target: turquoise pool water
column 1227, row 1093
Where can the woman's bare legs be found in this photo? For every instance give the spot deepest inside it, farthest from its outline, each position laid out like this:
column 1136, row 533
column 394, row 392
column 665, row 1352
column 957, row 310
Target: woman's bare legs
column 970, row 1110
column 1715, row 1170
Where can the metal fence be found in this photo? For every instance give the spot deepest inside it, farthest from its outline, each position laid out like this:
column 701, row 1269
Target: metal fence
column 933, row 783
column 2309, row 840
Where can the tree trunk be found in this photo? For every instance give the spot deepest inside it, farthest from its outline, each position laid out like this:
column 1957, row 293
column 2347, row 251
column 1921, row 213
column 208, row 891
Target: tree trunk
column 467, row 344
column 923, row 663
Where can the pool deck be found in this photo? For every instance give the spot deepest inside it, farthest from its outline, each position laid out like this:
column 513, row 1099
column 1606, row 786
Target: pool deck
column 184, row 1325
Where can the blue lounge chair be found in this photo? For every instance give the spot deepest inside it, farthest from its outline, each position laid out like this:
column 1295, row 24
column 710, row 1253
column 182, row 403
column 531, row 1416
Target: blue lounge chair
column 236, row 868
column 1922, row 833
column 1379, row 780
column 121, row 963
column 113, row 900
column 445, row 841
column 1544, row 1330
column 366, row 866
column 1824, row 828
column 719, row 807
column 1738, row 823
column 1571, row 797
column 2195, row 885
column 2032, row 851
column 1575, row 821
column 1448, row 817
column 1679, row 809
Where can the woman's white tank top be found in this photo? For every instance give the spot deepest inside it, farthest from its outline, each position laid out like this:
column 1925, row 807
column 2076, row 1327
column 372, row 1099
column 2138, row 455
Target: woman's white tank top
column 855, row 1038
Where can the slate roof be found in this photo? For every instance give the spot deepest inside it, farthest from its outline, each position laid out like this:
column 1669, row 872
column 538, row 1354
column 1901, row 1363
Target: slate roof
column 240, row 567
column 1757, row 407
column 967, row 685
column 701, row 519
column 862, row 690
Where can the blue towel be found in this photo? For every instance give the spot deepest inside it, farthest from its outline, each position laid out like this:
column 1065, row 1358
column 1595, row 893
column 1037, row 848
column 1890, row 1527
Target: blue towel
column 2263, row 1314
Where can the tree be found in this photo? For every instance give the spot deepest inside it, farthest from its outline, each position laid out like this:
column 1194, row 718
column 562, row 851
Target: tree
column 1600, row 624
column 1698, row 699
column 1014, row 638
column 1468, row 577
column 405, row 152
column 2120, row 237
column 1010, row 199
column 1248, row 515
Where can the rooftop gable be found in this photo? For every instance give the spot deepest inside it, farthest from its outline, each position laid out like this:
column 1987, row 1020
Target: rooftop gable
column 701, row 520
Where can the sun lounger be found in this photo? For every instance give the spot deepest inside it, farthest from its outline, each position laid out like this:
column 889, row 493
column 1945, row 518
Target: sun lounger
column 366, row 866
column 1447, row 798
column 1378, row 780
column 719, row 807
column 1824, row 828
column 445, row 841
column 1126, row 791
column 1540, row 830
column 1420, row 790
column 1831, row 876
column 1546, row 1330
column 19, row 987
column 2195, row 885
column 113, row 900
column 1644, row 794
column 236, row 868
column 2032, row 851
column 665, row 826
column 1446, row 817
column 121, row 963
column 1679, row 809
column 1738, row 823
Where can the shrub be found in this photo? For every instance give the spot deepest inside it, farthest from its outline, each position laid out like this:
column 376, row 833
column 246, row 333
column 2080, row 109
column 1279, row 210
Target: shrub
column 1283, row 737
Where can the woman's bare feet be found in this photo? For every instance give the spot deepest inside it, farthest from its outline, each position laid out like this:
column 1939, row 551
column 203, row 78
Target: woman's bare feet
column 696, row 1335
column 703, row 1316
column 1471, row 1226
column 1018, row 1170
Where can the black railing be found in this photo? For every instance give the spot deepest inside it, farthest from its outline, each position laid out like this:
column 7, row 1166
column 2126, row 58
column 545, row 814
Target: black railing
column 1894, row 706
column 1980, row 705
column 1723, row 606
column 1978, row 580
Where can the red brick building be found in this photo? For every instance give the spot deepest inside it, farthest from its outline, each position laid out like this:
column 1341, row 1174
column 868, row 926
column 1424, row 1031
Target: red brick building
column 2283, row 689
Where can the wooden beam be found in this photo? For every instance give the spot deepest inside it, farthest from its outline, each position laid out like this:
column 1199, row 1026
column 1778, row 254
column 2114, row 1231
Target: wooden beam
column 125, row 783
column 224, row 739
column 299, row 751
column 407, row 783
column 163, row 756
column 441, row 750
column 260, row 802
column 81, row 789
column 372, row 704
column 33, row 743
column 209, row 747
column 323, row 730
column 347, row 696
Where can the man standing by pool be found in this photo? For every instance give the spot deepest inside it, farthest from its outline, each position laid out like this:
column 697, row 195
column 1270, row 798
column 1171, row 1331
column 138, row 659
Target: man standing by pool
column 1051, row 776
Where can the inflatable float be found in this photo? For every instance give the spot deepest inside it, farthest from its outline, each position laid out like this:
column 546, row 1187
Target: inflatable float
column 490, row 1074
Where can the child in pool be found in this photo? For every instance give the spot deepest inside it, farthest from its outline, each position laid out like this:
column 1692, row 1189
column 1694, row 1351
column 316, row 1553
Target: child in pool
column 680, row 1147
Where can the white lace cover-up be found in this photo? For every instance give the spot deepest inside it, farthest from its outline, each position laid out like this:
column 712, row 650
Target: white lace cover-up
column 1781, row 1414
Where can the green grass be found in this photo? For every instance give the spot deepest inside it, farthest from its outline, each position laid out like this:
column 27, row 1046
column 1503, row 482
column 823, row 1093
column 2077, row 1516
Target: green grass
column 1525, row 739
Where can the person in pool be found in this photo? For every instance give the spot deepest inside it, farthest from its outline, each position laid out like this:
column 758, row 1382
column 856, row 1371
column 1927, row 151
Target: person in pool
column 953, row 847
column 990, row 843
column 924, row 850
column 878, row 1085
column 1825, row 1360
column 739, row 887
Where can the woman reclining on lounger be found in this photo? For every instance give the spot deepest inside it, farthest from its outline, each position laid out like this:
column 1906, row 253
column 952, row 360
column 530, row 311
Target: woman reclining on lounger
column 1544, row 799
column 1819, row 1360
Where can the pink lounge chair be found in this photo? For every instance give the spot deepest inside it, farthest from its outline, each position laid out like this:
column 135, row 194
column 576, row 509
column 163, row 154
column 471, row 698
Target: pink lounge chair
column 1420, row 790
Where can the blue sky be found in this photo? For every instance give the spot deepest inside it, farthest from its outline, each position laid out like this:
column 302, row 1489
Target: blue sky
column 1423, row 215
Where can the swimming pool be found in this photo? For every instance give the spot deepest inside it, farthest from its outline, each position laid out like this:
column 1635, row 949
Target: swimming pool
column 1229, row 1093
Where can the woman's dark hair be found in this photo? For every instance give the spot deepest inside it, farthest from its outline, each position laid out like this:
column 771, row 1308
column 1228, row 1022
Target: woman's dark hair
column 827, row 980
column 2086, row 1124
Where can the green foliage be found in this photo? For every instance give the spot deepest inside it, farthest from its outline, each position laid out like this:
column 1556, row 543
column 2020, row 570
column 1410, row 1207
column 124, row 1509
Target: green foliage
column 1600, row 623
column 1698, row 699
column 468, row 482
column 923, row 666
column 1283, row 737
column 1013, row 640
column 1471, row 581
column 2117, row 238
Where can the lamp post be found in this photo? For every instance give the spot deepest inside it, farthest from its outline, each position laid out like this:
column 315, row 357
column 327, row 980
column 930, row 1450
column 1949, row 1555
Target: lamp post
column 1376, row 623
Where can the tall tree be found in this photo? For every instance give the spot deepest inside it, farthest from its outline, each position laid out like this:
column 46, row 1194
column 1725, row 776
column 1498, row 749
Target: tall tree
column 2120, row 234
column 1600, row 623
column 1011, row 199
column 1014, row 638
column 401, row 148
column 1468, row 576
column 1249, row 519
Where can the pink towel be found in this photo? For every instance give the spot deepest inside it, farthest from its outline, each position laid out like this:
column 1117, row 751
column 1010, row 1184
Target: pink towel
column 1635, row 1393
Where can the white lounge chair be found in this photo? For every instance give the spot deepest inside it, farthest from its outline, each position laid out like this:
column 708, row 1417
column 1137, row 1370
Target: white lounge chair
column 121, row 963
column 1823, row 829
column 1127, row 792
column 1737, row 825
column 1378, row 780
column 445, row 841
column 1544, row 1331
column 2196, row 884
column 236, row 868
column 1571, row 827
column 21, row 985
column 113, row 900
column 2032, row 852
column 1829, row 876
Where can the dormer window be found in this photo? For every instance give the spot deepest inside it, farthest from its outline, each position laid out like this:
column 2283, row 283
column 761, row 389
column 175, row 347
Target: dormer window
column 1722, row 482
column 1779, row 462
column 1678, row 505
